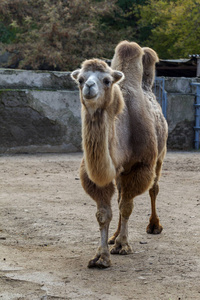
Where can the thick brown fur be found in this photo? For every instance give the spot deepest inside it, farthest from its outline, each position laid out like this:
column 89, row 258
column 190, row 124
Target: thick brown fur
column 124, row 139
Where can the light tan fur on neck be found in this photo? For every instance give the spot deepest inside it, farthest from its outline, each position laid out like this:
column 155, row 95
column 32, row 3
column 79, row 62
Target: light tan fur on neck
column 97, row 132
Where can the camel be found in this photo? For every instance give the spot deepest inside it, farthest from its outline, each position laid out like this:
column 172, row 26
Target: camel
column 124, row 137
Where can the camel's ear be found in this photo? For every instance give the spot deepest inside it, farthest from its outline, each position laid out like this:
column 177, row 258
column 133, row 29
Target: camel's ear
column 74, row 74
column 117, row 76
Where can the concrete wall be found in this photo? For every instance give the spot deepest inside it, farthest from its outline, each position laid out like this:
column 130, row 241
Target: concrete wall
column 40, row 112
column 180, row 112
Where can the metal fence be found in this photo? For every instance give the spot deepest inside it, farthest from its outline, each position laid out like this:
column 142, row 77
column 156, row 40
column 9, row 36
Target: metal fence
column 197, row 115
column 161, row 94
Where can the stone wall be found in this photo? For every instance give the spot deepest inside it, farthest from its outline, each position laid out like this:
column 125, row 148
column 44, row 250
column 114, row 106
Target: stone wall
column 40, row 112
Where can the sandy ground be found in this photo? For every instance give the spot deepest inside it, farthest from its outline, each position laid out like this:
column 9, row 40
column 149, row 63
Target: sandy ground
column 49, row 232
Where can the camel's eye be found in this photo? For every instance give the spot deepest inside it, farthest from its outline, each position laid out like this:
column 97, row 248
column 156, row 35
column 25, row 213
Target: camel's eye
column 81, row 80
column 106, row 81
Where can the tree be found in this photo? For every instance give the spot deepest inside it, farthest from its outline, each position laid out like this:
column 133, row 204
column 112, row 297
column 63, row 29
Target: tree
column 174, row 27
column 58, row 35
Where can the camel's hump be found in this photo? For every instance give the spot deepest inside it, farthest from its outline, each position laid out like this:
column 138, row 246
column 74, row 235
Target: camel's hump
column 150, row 56
column 127, row 49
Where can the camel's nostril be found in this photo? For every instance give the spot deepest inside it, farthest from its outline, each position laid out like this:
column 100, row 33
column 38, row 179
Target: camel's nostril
column 89, row 84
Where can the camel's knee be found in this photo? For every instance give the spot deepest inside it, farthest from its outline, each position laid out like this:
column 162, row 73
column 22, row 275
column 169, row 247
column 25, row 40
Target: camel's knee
column 104, row 216
column 153, row 192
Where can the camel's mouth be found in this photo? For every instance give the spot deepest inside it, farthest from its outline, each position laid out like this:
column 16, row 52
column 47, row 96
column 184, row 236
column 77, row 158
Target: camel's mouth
column 89, row 96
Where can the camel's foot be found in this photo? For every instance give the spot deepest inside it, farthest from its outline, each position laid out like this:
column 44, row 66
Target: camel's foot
column 122, row 249
column 154, row 227
column 100, row 261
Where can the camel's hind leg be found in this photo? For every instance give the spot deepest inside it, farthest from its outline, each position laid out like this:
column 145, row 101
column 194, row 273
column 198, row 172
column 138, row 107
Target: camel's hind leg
column 120, row 238
column 102, row 196
column 154, row 226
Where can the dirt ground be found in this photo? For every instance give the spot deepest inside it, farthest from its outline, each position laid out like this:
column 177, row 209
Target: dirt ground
column 49, row 232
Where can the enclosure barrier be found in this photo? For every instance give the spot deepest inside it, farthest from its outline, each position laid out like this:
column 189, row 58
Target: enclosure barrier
column 161, row 94
column 197, row 114
column 40, row 111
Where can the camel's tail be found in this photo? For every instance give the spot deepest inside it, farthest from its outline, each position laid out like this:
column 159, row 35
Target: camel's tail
column 150, row 58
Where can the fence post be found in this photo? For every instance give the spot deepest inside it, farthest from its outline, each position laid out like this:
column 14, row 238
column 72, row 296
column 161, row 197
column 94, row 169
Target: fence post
column 198, row 67
column 197, row 115
column 161, row 94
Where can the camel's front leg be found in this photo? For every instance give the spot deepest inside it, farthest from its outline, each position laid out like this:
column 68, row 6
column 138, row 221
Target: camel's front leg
column 102, row 196
column 115, row 235
column 121, row 245
column 112, row 239
column 102, row 257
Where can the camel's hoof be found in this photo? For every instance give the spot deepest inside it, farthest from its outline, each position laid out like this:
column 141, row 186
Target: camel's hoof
column 99, row 262
column 121, row 249
column 111, row 240
column 154, row 229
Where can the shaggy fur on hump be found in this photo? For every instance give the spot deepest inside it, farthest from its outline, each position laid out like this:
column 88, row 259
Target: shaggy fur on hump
column 128, row 59
column 127, row 50
column 149, row 60
column 150, row 56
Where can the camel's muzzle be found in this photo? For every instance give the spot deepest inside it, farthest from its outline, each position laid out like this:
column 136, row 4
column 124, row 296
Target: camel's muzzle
column 89, row 91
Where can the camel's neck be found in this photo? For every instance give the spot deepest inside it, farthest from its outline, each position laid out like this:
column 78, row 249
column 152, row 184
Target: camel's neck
column 96, row 131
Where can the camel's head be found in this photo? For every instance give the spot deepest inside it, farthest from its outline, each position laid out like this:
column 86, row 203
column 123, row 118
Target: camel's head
column 96, row 80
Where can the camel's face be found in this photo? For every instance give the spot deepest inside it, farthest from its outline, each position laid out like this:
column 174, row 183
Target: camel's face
column 96, row 86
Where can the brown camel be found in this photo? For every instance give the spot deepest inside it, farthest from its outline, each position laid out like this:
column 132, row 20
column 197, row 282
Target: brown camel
column 124, row 139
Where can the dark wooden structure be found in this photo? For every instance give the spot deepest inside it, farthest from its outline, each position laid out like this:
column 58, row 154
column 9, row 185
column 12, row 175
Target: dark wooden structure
column 179, row 67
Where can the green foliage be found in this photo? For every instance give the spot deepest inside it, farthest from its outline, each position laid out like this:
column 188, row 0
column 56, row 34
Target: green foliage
column 7, row 33
column 174, row 27
column 60, row 34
